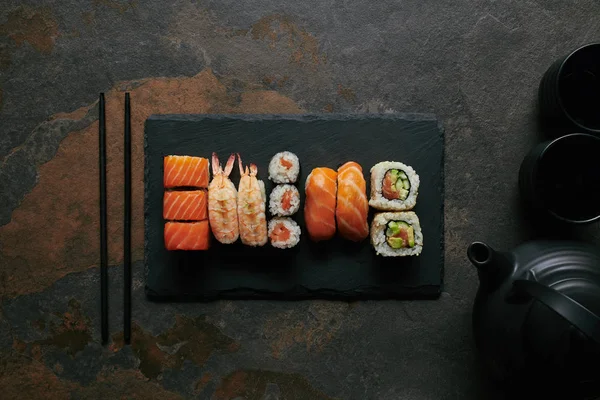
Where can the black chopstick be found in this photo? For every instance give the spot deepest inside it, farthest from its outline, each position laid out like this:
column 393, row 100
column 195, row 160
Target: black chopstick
column 103, row 228
column 127, row 225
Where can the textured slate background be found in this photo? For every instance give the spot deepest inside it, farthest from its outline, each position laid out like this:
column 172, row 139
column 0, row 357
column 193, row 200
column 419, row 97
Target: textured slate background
column 475, row 64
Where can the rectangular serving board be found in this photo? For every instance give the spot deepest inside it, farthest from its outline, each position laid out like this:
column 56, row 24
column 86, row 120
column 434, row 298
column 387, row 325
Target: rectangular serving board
column 336, row 269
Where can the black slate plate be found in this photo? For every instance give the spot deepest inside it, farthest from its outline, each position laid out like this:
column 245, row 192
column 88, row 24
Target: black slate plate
column 334, row 269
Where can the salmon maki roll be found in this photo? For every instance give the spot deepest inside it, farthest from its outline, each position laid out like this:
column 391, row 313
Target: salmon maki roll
column 352, row 208
column 185, row 171
column 187, row 235
column 284, row 232
column 319, row 206
column 185, row 205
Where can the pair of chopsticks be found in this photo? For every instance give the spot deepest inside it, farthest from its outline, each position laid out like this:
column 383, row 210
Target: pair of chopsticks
column 126, row 223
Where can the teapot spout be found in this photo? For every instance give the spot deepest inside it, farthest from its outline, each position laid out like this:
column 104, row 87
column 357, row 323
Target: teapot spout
column 492, row 267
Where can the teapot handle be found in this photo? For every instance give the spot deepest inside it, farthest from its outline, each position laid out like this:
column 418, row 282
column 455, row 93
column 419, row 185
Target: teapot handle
column 579, row 316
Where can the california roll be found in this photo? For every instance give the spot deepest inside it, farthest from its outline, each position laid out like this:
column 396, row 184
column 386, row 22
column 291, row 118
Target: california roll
column 394, row 186
column 396, row 234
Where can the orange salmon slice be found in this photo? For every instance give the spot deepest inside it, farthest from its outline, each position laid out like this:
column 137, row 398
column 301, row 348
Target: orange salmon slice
column 187, row 235
column 185, row 205
column 185, row 171
column 352, row 203
column 319, row 206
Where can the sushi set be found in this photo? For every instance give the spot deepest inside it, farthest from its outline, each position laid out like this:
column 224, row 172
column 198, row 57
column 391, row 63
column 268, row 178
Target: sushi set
column 293, row 207
column 335, row 200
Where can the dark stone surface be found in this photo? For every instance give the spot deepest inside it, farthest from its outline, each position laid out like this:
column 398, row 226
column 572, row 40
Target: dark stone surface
column 336, row 269
column 476, row 65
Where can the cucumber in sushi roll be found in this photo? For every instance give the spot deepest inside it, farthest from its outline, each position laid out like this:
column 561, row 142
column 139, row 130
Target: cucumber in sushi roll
column 396, row 234
column 394, row 186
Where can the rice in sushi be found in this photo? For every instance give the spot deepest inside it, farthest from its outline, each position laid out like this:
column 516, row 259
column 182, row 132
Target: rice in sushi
column 394, row 186
column 396, row 234
column 284, row 167
column 283, row 232
column 284, row 200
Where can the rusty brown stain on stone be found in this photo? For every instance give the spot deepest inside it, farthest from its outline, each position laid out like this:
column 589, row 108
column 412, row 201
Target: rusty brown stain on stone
column 192, row 339
column 34, row 26
column 145, row 348
column 55, row 229
column 124, row 384
column 268, row 80
column 251, row 385
column 273, row 81
column 24, row 378
column 239, row 32
column 72, row 334
column 58, row 368
column 347, row 94
column 256, row 102
column 202, row 382
column 277, row 29
column 36, row 352
column 74, row 115
column 19, row 345
column 328, row 108
column 312, row 330
column 121, row 6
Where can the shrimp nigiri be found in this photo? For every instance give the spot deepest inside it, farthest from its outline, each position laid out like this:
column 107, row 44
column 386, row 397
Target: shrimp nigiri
column 251, row 207
column 222, row 202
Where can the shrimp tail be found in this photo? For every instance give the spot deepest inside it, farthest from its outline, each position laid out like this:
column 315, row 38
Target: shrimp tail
column 240, row 164
column 216, row 165
column 253, row 170
column 229, row 165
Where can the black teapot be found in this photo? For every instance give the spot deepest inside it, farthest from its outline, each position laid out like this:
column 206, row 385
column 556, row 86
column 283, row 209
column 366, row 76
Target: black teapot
column 536, row 318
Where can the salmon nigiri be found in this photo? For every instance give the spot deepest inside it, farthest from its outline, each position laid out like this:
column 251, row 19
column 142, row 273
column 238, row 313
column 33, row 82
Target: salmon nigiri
column 187, row 235
column 319, row 206
column 352, row 204
column 182, row 171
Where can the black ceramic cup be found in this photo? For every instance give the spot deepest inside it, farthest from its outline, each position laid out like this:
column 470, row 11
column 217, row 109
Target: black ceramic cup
column 560, row 178
column 569, row 93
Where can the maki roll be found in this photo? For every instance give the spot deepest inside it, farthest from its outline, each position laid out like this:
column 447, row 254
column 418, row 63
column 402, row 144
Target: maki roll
column 284, row 167
column 394, row 186
column 396, row 234
column 284, row 200
column 284, row 233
